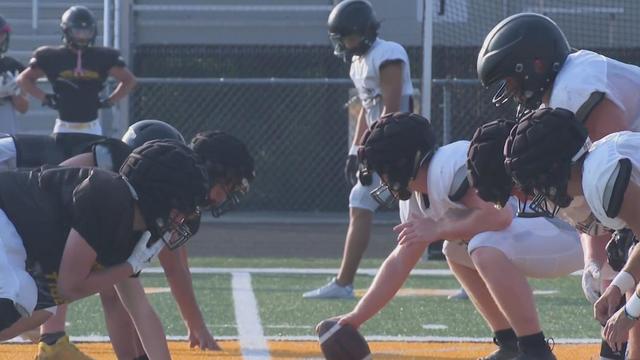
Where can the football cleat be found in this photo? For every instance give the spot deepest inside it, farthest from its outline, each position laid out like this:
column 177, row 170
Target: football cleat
column 331, row 291
column 61, row 350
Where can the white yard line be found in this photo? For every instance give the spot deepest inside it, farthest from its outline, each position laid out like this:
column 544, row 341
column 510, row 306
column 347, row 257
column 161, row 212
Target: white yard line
column 252, row 341
column 303, row 271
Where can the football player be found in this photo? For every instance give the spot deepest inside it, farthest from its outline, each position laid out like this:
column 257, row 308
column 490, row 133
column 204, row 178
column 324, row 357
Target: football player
column 531, row 59
column 551, row 155
column 99, row 229
column 231, row 164
column 380, row 73
column 77, row 72
column 489, row 250
column 11, row 97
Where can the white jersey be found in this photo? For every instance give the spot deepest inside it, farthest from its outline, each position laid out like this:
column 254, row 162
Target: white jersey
column 585, row 72
column 600, row 165
column 365, row 74
column 443, row 167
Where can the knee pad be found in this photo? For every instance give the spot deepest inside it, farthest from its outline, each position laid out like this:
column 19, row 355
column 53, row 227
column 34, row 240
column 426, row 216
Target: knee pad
column 8, row 313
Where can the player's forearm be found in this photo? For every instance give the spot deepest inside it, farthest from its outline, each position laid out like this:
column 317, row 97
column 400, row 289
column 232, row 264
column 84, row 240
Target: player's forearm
column 144, row 317
column 29, row 86
column 389, row 279
column 361, row 127
column 593, row 247
column 182, row 290
column 122, row 90
column 20, row 103
column 477, row 221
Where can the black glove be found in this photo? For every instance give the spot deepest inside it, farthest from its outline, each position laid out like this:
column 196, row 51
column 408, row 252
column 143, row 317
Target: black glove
column 105, row 103
column 50, row 101
column 618, row 248
column 351, row 169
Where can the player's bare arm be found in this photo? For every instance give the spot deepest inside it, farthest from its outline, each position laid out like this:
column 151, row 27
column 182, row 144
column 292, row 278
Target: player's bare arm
column 27, row 80
column 606, row 118
column 391, row 85
column 176, row 269
column 126, row 82
column 76, row 278
column 148, row 325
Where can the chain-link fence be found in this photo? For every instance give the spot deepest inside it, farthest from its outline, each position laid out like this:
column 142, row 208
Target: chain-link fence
column 296, row 124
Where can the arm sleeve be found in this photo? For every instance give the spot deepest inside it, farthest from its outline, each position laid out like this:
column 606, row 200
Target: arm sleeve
column 390, row 52
column 39, row 59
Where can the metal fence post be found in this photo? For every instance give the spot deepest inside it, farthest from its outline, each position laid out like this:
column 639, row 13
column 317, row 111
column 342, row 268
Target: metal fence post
column 446, row 112
column 34, row 16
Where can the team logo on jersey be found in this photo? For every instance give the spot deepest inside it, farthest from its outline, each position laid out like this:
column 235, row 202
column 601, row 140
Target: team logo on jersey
column 79, row 75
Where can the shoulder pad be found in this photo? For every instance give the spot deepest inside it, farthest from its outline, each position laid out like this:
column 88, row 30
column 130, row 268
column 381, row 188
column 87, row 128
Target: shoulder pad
column 459, row 185
column 616, row 187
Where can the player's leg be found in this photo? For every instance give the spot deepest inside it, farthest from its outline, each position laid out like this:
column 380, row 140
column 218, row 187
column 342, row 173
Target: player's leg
column 462, row 266
column 530, row 247
column 361, row 209
column 122, row 332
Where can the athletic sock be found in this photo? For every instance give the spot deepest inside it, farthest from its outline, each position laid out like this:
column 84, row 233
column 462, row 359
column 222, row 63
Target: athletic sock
column 534, row 344
column 51, row 338
column 142, row 357
column 506, row 338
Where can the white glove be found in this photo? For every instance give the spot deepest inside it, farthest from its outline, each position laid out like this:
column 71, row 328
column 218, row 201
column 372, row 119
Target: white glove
column 142, row 255
column 591, row 283
column 9, row 85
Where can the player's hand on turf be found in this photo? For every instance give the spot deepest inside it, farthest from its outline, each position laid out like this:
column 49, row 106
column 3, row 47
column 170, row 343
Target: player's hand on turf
column 142, row 254
column 616, row 331
column 202, row 338
column 351, row 169
column 607, row 304
column 416, row 230
column 591, row 283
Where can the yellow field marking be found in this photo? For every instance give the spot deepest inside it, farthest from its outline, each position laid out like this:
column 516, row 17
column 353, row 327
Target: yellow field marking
column 311, row 350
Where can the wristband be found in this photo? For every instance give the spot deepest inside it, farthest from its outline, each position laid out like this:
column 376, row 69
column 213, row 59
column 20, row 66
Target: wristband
column 624, row 281
column 632, row 308
column 353, row 150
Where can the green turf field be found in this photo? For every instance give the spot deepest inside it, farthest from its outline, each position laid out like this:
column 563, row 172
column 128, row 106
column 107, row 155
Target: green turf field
column 283, row 313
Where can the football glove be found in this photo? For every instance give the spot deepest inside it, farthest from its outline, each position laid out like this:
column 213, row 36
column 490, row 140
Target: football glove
column 142, row 254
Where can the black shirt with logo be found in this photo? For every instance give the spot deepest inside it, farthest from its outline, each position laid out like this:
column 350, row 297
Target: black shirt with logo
column 77, row 78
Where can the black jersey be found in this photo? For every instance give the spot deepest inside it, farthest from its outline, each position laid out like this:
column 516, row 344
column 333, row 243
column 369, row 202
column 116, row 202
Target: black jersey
column 44, row 204
column 77, row 77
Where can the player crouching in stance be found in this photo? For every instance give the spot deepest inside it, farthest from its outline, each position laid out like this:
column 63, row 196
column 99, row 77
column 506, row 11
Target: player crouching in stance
column 550, row 154
column 437, row 203
column 100, row 228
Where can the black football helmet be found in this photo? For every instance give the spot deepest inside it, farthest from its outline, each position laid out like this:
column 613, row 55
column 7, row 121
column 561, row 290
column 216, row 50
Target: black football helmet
column 351, row 17
column 485, row 162
column 167, row 175
column 228, row 163
column 79, row 27
column 395, row 147
column 529, row 48
column 4, row 29
column 147, row 130
column 539, row 154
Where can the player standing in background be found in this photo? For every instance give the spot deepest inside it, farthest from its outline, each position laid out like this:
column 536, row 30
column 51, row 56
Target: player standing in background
column 11, row 98
column 381, row 74
column 530, row 56
column 77, row 72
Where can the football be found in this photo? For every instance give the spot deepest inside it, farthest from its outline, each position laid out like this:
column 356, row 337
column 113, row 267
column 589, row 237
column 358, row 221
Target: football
column 341, row 342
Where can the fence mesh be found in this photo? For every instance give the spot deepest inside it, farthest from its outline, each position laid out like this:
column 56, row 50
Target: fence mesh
column 298, row 130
